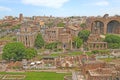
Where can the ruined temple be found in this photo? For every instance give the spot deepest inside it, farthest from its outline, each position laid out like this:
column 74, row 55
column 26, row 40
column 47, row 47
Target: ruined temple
column 27, row 34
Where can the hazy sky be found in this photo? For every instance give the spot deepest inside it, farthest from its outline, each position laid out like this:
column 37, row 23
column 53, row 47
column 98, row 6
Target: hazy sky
column 59, row 7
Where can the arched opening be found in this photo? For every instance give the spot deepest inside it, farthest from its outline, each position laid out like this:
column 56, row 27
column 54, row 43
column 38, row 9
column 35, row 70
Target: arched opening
column 97, row 26
column 113, row 27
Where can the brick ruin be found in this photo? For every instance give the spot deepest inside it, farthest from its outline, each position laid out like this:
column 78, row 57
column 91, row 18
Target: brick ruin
column 95, row 42
column 103, row 74
column 105, row 24
column 63, row 35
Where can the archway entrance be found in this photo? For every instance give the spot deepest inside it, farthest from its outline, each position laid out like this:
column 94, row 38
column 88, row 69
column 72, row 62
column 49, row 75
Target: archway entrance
column 113, row 27
column 99, row 26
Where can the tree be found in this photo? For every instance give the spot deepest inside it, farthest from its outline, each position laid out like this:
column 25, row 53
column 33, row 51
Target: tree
column 112, row 38
column 13, row 51
column 39, row 41
column 30, row 53
column 84, row 34
column 113, row 41
column 77, row 42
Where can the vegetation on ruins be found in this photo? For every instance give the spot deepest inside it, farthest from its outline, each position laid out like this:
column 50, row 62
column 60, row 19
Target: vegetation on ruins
column 113, row 41
column 77, row 42
column 84, row 34
column 60, row 24
column 16, row 27
column 16, row 51
column 107, row 59
column 5, row 24
column 8, row 37
column 50, row 24
column 51, row 45
column 39, row 41
column 101, row 52
column 83, row 25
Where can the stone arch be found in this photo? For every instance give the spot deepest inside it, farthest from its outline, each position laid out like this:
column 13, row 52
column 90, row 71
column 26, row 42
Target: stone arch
column 113, row 27
column 99, row 26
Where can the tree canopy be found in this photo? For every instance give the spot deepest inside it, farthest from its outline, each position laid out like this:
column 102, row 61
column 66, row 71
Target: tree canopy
column 30, row 53
column 113, row 41
column 77, row 42
column 16, row 51
column 39, row 41
column 84, row 34
column 13, row 51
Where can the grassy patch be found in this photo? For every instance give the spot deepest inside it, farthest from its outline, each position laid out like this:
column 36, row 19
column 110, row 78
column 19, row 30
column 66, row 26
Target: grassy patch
column 107, row 59
column 65, row 54
column 44, row 76
column 75, row 53
column 40, row 75
column 89, row 53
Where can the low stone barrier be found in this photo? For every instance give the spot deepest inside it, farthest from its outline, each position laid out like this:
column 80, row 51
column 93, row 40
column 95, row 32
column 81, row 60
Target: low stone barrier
column 13, row 77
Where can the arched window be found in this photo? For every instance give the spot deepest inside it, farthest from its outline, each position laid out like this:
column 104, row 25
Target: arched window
column 99, row 26
column 113, row 27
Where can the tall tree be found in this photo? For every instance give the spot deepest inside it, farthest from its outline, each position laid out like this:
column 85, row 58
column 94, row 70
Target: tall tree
column 13, row 51
column 84, row 34
column 39, row 41
column 77, row 42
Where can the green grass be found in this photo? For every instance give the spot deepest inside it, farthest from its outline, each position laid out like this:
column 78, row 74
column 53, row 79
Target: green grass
column 107, row 59
column 55, row 54
column 40, row 75
column 89, row 53
column 65, row 54
column 75, row 53
column 44, row 76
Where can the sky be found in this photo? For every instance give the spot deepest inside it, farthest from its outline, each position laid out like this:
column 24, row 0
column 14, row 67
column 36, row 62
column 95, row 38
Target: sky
column 60, row 8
